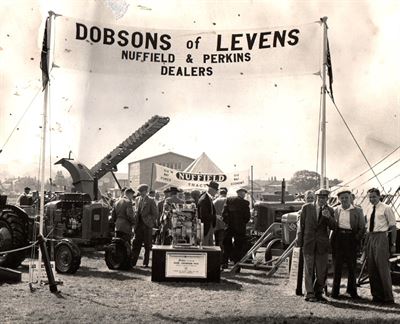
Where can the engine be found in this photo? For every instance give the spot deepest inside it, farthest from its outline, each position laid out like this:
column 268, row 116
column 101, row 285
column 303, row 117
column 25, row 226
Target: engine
column 74, row 215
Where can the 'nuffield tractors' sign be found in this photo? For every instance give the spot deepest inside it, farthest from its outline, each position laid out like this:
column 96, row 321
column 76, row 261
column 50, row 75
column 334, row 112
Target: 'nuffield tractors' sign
column 199, row 180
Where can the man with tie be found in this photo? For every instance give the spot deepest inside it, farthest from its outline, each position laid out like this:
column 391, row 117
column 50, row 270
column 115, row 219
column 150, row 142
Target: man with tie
column 146, row 216
column 345, row 240
column 313, row 237
column 380, row 221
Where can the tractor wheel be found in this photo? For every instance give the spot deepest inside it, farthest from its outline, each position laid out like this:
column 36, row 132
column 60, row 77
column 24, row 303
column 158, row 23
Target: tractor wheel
column 67, row 257
column 118, row 255
column 13, row 235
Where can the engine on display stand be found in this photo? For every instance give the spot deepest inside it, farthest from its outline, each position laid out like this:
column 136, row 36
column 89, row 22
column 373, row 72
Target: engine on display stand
column 186, row 228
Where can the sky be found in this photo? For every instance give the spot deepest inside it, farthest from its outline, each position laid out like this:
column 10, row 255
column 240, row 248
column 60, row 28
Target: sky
column 267, row 121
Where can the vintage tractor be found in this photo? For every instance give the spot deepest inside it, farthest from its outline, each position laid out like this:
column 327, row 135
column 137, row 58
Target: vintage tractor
column 74, row 221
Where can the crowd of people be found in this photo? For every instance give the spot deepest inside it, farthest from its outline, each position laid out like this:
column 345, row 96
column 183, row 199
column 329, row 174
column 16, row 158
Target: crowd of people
column 224, row 219
column 346, row 229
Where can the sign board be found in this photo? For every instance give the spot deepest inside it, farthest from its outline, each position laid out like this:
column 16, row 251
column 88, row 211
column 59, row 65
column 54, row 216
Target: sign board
column 34, row 271
column 185, row 265
column 200, row 180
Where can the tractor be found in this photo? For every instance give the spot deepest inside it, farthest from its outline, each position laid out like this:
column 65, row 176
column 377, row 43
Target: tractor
column 74, row 222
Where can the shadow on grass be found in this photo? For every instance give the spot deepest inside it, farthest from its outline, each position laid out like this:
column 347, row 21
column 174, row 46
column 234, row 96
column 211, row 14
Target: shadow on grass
column 223, row 285
column 120, row 275
column 268, row 319
column 367, row 305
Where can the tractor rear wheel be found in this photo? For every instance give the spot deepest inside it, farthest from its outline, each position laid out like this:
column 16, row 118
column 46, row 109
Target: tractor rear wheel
column 13, row 235
column 67, row 257
column 118, row 255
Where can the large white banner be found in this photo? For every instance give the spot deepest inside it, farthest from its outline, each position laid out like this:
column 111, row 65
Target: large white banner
column 188, row 180
column 92, row 47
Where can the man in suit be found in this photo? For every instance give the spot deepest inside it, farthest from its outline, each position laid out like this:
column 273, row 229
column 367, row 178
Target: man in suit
column 346, row 238
column 313, row 237
column 380, row 221
column 123, row 216
column 236, row 215
column 170, row 203
column 145, row 217
column 206, row 212
column 219, row 230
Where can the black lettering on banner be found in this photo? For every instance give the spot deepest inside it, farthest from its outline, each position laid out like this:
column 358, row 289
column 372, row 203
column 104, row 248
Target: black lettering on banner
column 122, row 36
column 151, row 39
column 164, row 39
column 137, row 39
column 95, row 34
column 251, row 40
column 108, row 36
column 219, row 47
column 280, row 37
column 235, row 41
column 81, row 31
column 264, row 40
column 294, row 37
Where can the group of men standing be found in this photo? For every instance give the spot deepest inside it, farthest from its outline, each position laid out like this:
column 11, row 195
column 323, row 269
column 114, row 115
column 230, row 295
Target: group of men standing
column 223, row 218
column 342, row 229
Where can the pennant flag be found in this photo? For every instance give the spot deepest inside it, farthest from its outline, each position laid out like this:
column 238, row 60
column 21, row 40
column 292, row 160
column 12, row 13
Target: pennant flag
column 330, row 73
column 44, row 58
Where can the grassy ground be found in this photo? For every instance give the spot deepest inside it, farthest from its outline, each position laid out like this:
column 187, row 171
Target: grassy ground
column 97, row 295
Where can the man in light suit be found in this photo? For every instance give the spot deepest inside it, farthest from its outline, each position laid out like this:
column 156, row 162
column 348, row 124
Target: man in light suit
column 145, row 217
column 313, row 237
column 206, row 212
column 346, row 237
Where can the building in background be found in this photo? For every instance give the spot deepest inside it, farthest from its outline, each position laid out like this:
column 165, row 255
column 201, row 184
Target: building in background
column 108, row 183
column 141, row 171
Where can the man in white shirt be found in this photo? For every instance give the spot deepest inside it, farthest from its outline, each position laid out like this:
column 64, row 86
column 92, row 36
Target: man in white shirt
column 380, row 220
column 345, row 240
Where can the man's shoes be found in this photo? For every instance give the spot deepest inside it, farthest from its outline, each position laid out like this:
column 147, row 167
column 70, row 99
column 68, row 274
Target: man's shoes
column 145, row 265
column 377, row 300
column 335, row 296
column 389, row 302
column 321, row 299
column 311, row 299
column 355, row 296
column 237, row 270
column 224, row 266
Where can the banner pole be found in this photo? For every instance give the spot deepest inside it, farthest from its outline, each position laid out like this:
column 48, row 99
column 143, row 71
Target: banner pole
column 323, row 183
column 151, row 176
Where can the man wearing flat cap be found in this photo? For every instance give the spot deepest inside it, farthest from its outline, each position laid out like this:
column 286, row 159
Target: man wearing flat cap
column 346, row 239
column 25, row 199
column 146, row 216
column 236, row 215
column 122, row 215
column 313, row 237
column 206, row 212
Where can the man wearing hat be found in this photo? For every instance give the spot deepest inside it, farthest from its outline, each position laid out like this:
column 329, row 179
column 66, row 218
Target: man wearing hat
column 165, row 218
column 219, row 230
column 123, row 216
column 206, row 212
column 236, row 214
column 346, row 238
column 146, row 216
column 25, row 199
column 313, row 237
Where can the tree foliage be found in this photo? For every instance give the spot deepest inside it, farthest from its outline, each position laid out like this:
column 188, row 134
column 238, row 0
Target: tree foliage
column 309, row 180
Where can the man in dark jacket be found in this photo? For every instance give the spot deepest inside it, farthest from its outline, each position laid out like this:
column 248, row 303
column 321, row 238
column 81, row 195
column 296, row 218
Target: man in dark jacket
column 146, row 216
column 236, row 214
column 206, row 212
column 122, row 215
column 345, row 240
column 313, row 237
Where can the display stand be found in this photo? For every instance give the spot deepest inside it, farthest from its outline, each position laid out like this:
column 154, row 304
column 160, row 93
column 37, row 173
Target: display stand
column 186, row 263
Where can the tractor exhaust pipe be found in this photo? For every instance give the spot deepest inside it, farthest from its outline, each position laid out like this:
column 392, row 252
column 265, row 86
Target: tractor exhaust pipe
column 283, row 191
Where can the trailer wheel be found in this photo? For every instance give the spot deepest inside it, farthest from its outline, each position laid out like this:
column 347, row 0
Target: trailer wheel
column 67, row 257
column 274, row 244
column 13, row 235
column 118, row 255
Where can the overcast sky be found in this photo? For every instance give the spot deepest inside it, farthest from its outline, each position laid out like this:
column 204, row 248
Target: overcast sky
column 269, row 122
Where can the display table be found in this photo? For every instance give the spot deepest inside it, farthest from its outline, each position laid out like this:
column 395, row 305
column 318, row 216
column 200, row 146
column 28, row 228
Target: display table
column 186, row 263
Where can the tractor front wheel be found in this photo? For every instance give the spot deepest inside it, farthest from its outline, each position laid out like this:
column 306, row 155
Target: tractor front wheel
column 67, row 257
